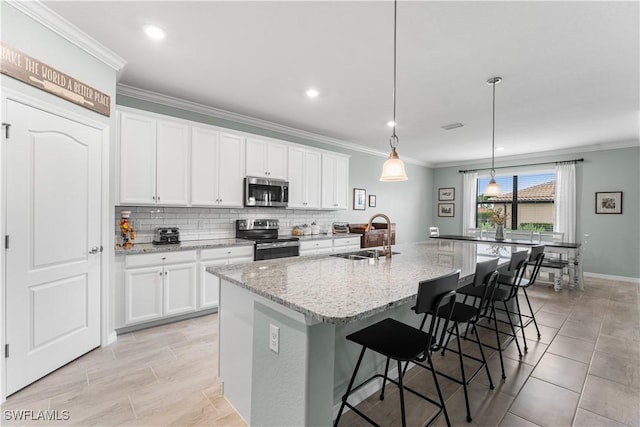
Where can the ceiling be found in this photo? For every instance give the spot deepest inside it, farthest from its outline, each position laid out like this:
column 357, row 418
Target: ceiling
column 570, row 70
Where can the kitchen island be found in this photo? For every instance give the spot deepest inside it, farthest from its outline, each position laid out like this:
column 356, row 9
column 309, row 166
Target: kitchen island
column 311, row 304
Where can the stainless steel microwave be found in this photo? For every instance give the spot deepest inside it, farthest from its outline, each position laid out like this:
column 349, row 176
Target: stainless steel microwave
column 266, row 192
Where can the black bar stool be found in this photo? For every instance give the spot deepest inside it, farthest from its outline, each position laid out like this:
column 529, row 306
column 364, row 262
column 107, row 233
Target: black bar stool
column 485, row 279
column 404, row 343
column 536, row 259
column 517, row 266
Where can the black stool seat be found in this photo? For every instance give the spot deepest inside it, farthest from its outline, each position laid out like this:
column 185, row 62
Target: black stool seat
column 393, row 339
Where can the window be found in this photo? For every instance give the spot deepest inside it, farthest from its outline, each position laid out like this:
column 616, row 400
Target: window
column 528, row 200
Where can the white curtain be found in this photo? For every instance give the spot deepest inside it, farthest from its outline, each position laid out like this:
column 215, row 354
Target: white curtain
column 565, row 201
column 469, row 201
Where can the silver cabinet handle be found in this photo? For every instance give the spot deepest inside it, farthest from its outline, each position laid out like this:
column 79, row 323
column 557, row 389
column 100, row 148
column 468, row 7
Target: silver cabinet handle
column 94, row 250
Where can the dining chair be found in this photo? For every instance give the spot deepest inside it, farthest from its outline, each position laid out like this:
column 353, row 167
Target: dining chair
column 434, row 232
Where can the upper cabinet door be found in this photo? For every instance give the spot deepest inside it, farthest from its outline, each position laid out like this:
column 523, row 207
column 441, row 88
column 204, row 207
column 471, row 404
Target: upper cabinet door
column 266, row 159
column 342, row 182
column 230, row 170
column 277, row 160
column 313, row 172
column 335, row 181
column 297, row 178
column 305, row 172
column 256, row 163
column 137, row 159
column 173, row 161
column 204, row 170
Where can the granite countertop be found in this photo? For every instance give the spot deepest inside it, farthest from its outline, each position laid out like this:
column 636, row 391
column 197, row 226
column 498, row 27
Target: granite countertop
column 142, row 248
column 337, row 290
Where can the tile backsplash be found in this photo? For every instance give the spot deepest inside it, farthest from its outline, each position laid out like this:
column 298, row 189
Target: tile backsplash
column 215, row 223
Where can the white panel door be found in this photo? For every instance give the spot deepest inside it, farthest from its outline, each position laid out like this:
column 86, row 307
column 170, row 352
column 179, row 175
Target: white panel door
column 179, row 288
column 53, row 199
column 143, row 288
column 172, row 164
column 137, row 159
column 204, row 170
column 230, row 167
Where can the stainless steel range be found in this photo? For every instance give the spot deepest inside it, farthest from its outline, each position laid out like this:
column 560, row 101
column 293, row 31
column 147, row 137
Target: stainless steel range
column 265, row 233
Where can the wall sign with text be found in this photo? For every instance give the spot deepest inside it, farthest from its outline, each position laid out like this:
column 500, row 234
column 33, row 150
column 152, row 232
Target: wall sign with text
column 21, row 66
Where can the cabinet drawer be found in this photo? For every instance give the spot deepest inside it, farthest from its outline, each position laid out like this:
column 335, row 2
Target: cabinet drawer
column 227, row 252
column 316, row 244
column 349, row 241
column 159, row 258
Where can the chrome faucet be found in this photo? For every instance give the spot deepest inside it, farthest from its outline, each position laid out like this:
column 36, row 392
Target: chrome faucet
column 386, row 249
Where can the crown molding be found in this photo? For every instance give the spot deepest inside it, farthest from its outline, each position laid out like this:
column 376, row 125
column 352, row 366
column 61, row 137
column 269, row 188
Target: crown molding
column 45, row 16
column 520, row 157
column 182, row 104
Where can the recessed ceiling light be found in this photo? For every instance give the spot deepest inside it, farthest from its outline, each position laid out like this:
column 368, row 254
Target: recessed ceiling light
column 312, row 93
column 499, row 148
column 155, row 33
column 391, row 123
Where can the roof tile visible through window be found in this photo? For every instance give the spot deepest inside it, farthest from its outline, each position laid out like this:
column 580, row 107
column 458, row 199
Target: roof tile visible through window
column 544, row 192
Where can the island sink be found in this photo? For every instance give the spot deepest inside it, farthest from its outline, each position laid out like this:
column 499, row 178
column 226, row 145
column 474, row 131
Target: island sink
column 365, row 254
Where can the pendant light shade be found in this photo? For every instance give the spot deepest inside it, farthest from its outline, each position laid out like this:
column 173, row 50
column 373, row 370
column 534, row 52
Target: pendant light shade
column 393, row 168
column 493, row 188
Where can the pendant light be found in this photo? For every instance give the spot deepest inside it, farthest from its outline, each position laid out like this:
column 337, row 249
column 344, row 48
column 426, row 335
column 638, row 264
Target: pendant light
column 393, row 168
column 493, row 188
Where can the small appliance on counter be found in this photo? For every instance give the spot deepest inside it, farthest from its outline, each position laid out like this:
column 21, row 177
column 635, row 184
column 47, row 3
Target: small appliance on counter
column 166, row 236
column 340, row 227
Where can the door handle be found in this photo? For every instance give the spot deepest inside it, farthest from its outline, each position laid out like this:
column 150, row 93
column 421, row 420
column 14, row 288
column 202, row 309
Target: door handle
column 95, row 250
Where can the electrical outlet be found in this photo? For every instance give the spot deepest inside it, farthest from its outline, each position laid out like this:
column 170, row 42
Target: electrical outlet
column 274, row 338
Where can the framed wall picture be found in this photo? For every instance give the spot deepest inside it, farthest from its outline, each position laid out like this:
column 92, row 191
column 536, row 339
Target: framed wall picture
column 359, row 199
column 445, row 194
column 609, row 202
column 446, row 209
column 372, row 200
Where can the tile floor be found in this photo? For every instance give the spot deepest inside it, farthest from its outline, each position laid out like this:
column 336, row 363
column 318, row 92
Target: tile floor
column 584, row 371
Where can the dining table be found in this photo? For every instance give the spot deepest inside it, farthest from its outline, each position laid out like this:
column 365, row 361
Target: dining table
column 570, row 254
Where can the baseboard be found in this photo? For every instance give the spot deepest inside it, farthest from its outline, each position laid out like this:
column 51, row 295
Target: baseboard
column 612, row 277
column 111, row 338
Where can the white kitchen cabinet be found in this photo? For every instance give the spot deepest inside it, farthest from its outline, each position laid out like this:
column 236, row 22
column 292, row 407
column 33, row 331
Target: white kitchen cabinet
column 217, row 168
column 305, row 176
column 316, row 247
column 143, row 294
column 346, row 244
column 159, row 285
column 335, row 181
column 266, row 159
column 172, row 160
column 209, row 285
column 154, row 161
column 137, row 159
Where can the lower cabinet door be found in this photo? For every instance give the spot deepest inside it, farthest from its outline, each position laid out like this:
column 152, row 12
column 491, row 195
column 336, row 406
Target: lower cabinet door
column 209, row 292
column 143, row 294
column 179, row 288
